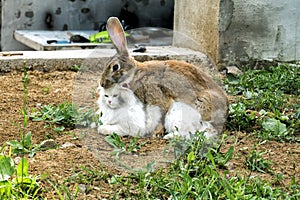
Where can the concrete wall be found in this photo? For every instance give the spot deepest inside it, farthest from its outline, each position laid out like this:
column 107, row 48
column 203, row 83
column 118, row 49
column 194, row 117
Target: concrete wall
column 76, row 15
column 241, row 30
column 196, row 25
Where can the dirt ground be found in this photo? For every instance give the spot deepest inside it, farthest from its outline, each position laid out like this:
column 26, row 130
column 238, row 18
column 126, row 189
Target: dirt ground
column 61, row 163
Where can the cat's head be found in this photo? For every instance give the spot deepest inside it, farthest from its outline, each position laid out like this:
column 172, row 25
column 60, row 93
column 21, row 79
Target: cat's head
column 116, row 96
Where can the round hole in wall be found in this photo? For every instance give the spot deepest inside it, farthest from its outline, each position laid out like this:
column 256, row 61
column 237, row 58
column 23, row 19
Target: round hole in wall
column 58, row 11
column 18, row 14
column 29, row 14
column 65, row 27
column 85, row 10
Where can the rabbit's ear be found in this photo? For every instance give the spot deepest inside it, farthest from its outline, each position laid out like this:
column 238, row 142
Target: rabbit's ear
column 125, row 85
column 117, row 35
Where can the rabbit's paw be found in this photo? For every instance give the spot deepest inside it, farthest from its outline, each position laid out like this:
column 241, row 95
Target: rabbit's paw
column 210, row 133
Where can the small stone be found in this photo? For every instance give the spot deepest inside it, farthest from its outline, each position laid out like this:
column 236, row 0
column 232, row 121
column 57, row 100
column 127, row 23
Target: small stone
column 82, row 188
column 17, row 160
column 233, row 70
column 230, row 166
column 68, row 144
column 48, row 144
column 38, row 105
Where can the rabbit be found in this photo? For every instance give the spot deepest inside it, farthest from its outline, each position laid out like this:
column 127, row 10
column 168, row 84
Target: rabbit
column 162, row 83
column 124, row 114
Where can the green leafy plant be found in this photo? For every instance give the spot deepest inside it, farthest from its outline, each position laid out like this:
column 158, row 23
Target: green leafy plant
column 240, row 118
column 195, row 175
column 266, row 89
column 134, row 145
column 75, row 68
column 275, row 128
column 264, row 95
column 283, row 78
column 15, row 182
column 61, row 114
column 255, row 162
column 25, row 146
column 64, row 115
column 22, row 147
column 121, row 147
column 45, row 90
column 115, row 141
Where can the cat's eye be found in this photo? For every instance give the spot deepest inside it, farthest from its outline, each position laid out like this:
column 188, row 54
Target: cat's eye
column 115, row 67
column 115, row 95
column 106, row 95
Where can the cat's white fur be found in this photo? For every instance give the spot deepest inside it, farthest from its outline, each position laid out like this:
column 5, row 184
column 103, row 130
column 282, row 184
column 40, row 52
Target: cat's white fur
column 183, row 120
column 124, row 114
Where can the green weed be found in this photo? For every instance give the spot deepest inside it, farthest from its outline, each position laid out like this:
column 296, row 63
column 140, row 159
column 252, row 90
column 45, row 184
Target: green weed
column 273, row 129
column 45, row 90
column 240, row 118
column 266, row 97
column 121, row 147
column 194, row 176
column 282, row 79
column 64, row 115
column 15, row 182
column 255, row 162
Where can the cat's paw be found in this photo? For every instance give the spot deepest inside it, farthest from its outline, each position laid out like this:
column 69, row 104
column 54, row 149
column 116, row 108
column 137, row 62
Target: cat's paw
column 171, row 135
column 104, row 130
column 93, row 125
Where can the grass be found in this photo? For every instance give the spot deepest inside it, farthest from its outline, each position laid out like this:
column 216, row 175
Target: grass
column 121, row 147
column 193, row 176
column 268, row 103
column 64, row 115
column 266, row 107
column 255, row 161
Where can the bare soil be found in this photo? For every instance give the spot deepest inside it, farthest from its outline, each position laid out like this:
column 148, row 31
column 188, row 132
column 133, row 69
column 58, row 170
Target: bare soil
column 60, row 164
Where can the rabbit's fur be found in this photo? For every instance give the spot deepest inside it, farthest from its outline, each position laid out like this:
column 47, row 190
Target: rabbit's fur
column 162, row 83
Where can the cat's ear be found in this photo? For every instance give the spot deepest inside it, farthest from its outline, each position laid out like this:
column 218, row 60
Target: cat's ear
column 125, row 85
column 117, row 36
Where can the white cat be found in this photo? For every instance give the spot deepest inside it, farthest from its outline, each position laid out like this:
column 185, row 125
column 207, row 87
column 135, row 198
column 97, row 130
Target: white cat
column 183, row 120
column 125, row 114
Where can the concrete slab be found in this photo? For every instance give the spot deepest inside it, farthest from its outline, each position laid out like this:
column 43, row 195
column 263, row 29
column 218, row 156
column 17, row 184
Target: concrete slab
column 91, row 58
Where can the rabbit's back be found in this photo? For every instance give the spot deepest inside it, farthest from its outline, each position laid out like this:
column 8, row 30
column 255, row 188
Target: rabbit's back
column 163, row 82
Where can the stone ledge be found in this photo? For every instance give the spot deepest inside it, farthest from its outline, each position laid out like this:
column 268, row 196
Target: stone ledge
column 91, row 58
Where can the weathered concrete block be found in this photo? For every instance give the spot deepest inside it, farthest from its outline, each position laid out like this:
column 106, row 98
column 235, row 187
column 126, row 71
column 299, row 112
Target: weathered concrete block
column 233, row 31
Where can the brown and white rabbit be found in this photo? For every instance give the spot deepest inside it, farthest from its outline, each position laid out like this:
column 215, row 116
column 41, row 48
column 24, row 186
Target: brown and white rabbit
column 161, row 83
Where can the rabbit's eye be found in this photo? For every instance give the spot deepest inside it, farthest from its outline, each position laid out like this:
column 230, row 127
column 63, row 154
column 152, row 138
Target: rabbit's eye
column 115, row 67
